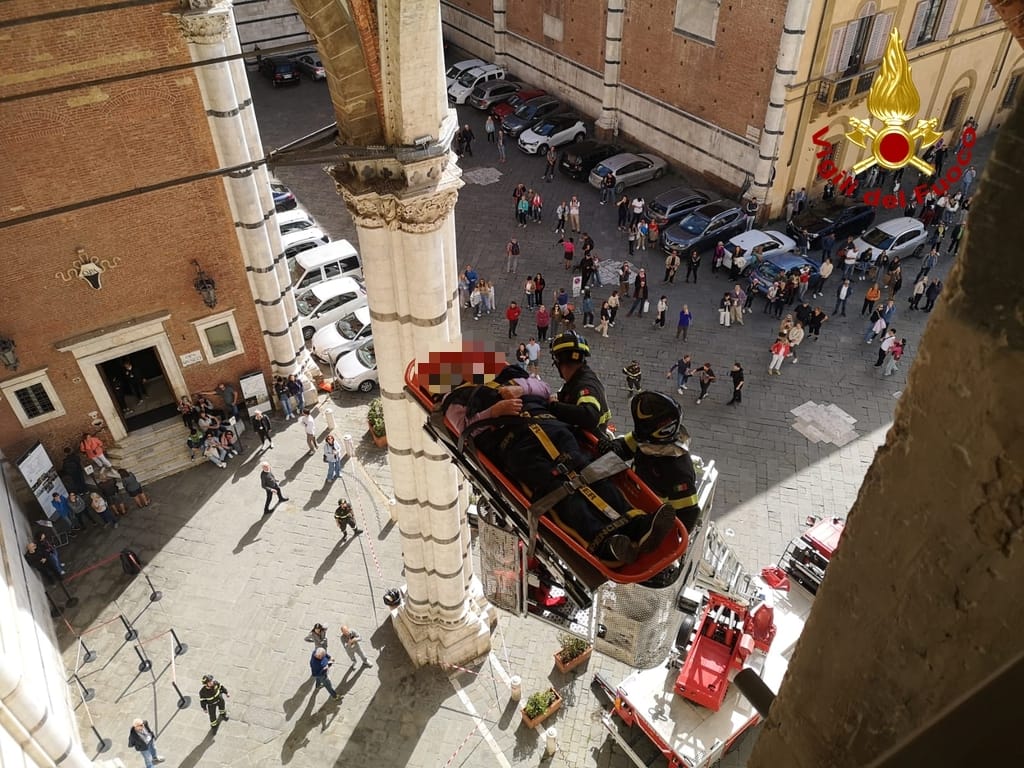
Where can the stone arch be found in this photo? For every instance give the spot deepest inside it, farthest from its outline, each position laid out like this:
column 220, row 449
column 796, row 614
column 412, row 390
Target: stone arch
column 345, row 32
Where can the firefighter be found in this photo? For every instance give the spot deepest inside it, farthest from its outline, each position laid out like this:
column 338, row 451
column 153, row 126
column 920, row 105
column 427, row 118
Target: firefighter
column 345, row 517
column 657, row 446
column 211, row 696
column 581, row 401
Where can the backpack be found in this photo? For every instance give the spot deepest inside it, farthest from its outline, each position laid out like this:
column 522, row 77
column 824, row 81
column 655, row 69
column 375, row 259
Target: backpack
column 130, row 562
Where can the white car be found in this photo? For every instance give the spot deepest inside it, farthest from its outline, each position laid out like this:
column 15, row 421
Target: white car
column 357, row 369
column 901, row 237
column 328, row 302
column 301, row 240
column 456, row 70
column 769, row 241
column 460, row 90
column 552, row 131
column 334, row 340
column 294, row 220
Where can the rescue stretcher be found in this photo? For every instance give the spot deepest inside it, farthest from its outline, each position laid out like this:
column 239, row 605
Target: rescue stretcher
column 560, row 553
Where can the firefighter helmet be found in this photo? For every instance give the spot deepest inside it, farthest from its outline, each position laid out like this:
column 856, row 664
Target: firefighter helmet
column 569, row 347
column 656, row 417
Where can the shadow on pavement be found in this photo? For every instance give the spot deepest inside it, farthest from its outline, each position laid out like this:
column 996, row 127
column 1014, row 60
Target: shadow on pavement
column 331, row 559
column 251, row 536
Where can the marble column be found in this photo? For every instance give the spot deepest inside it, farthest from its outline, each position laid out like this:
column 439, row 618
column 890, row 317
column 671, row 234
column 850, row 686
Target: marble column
column 608, row 121
column 209, row 30
column 499, row 9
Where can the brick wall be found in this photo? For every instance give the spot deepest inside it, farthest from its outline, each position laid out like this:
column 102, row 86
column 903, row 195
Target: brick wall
column 583, row 26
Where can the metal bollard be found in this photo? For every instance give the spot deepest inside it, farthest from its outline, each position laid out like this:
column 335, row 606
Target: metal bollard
column 517, row 687
column 350, row 447
column 329, row 418
column 552, row 742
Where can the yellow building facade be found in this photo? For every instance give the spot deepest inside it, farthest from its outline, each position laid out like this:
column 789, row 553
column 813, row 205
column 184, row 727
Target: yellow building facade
column 964, row 62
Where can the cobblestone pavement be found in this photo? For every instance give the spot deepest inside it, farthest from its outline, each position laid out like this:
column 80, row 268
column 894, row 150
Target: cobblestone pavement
column 241, row 590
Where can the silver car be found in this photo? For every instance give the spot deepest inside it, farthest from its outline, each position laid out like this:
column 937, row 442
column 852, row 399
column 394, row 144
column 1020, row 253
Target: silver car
column 629, row 170
column 903, row 237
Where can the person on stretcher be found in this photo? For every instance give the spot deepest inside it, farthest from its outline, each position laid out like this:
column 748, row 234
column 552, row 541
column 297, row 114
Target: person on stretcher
column 537, row 450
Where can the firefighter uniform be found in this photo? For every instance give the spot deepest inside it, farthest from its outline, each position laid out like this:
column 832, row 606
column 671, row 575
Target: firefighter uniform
column 582, row 403
column 668, row 471
column 211, row 697
column 345, row 518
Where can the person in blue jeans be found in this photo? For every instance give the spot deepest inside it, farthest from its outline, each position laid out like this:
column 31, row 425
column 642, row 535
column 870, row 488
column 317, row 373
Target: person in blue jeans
column 283, row 396
column 333, row 456
column 319, row 665
column 142, row 739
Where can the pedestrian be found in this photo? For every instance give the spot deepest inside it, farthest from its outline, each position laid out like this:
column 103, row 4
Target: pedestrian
column 72, row 470
column 533, row 357
column 737, row 302
column 308, row 422
column 790, row 205
column 501, row 145
column 512, row 252
column 344, row 518
column 523, row 209
column 804, row 283
column 718, row 256
column 801, row 200
column 269, row 484
column 350, row 642
column 512, row 315
column 81, row 511
column 931, row 294
column 522, row 356
column 683, row 325
column 795, row 337
column 134, row 488
column 467, row 139
column 885, row 346
column 671, row 267
column 736, row 374
column 133, row 381
column 623, row 211
column 613, row 308
column 587, row 308
column 653, row 234
column 574, row 213
column 568, row 252
column 928, row 263
column 779, row 302
column 849, row 262
column 63, row 519
column 536, row 207
column 332, row 457
column 818, row 318
column 894, row 280
column 550, row 161
column 780, row 350
column 605, row 319
column 874, row 293
column 956, row 234
column 543, row 320
column 707, row 378
column 659, row 320
column 297, row 391
column 211, row 698
column 607, row 187
column 539, row 285
column 843, row 293
column 876, row 325
column 490, row 128
column 631, row 239
column 633, row 376
column 142, row 739
column 318, row 636
column 100, row 507
column 641, row 235
column 640, row 294
column 636, row 210
column 893, row 357
column 320, row 663
column 828, row 243
column 261, row 425
column 692, row 265
column 824, row 272
column 93, row 449
column 725, row 309
column 683, row 368
column 41, row 561
column 561, row 214
column 283, row 396
column 106, row 481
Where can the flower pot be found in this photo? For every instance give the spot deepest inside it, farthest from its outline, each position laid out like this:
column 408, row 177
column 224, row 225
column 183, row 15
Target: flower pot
column 533, row 722
column 381, row 441
column 569, row 666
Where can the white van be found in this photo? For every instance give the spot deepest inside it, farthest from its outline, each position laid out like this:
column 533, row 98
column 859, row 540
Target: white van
column 459, row 67
column 460, row 90
column 337, row 259
column 301, row 240
column 294, row 220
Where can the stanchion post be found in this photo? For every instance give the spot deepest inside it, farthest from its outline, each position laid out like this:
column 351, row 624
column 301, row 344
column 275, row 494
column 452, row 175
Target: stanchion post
column 179, row 647
column 183, row 700
column 89, row 655
column 54, row 608
column 87, row 693
column 70, row 600
column 104, row 744
column 144, row 664
column 154, row 593
column 130, row 633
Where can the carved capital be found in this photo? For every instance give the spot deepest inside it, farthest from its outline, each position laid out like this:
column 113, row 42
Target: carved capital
column 207, row 25
column 419, row 215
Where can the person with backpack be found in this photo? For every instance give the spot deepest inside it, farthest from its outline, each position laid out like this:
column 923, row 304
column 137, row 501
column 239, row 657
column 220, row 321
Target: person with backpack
column 134, row 488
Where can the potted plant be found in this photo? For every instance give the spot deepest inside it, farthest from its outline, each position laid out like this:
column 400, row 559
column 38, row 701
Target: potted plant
column 375, row 418
column 574, row 652
column 540, row 706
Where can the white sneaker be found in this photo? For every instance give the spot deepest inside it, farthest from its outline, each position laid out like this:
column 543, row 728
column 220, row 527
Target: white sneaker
column 680, row 390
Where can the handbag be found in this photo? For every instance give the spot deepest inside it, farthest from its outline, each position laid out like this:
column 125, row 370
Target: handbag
column 647, row 305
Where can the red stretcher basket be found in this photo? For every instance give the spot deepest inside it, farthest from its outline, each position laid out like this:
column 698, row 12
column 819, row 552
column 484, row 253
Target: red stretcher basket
column 648, row 565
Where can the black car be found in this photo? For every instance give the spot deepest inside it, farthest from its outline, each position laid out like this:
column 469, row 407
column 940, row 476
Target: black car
column 529, row 113
column 701, row 229
column 579, row 159
column 280, row 71
column 835, row 217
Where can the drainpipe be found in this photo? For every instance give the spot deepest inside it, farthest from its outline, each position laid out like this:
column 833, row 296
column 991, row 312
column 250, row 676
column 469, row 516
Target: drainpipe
column 794, row 30
column 608, row 122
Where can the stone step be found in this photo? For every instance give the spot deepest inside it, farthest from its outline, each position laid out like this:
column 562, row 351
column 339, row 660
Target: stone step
column 153, row 452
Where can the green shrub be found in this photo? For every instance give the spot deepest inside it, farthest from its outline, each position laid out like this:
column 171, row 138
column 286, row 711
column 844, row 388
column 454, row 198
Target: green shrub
column 376, row 417
column 572, row 646
column 538, row 703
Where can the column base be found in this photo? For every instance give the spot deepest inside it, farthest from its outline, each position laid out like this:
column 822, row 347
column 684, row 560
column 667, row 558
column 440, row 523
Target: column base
column 433, row 642
column 606, row 128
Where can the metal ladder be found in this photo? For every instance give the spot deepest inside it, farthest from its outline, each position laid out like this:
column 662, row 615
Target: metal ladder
column 721, row 571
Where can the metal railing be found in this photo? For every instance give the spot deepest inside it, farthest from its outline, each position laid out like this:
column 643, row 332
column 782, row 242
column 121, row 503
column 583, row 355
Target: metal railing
column 835, row 89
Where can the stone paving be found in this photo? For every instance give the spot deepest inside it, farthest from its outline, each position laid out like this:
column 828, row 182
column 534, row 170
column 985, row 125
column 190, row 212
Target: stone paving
column 241, row 590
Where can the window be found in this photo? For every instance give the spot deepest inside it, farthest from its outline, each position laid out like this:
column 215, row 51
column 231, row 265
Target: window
column 988, row 14
column 1012, row 88
column 697, row 19
column 932, row 21
column 33, row 398
column 218, row 335
column 859, row 43
column 955, row 112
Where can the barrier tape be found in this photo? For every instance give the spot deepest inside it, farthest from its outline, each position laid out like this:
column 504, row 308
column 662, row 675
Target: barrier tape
column 479, row 721
column 100, row 626
column 92, row 567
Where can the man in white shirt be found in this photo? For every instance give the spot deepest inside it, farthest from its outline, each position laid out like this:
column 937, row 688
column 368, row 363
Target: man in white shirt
column 842, row 295
column 308, row 422
column 887, row 342
column 636, row 209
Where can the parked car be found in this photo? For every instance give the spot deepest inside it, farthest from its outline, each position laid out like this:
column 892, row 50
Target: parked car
column 295, row 243
column 552, row 131
column 328, row 302
column 284, row 200
column 456, row 69
column 671, row 206
column 294, row 220
column 310, row 64
column 506, row 108
column 904, row 237
column 459, row 91
column 529, row 113
column 629, row 169
column 280, row 71
column 835, row 217
column 704, row 227
column 769, row 241
column 357, row 369
column 488, row 94
column 779, row 266
column 334, row 340
column 579, row 160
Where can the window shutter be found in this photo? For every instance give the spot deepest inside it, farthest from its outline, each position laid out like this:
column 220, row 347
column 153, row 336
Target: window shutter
column 920, row 14
column 879, row 36
column 835, row 47
column 848, row 42
column 946, row 20
column 988, row 14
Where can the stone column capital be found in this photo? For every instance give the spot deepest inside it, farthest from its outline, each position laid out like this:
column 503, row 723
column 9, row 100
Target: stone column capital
column 207, row 23
column 419, row 215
